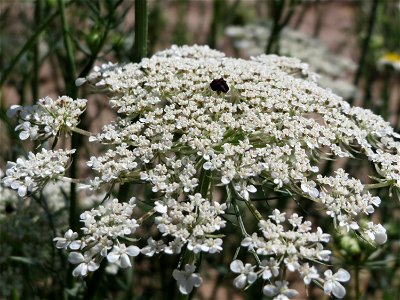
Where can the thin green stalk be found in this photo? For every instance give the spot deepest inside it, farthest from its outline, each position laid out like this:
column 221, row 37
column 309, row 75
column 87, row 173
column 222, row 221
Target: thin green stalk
column 31, row 41
column 254, row 210
column 279, row 22
column 386, row 95
column 215, row 23
column 242, row 227
column 141, row 24
column 70, row 65
column 71, row 89
column 357, row 292
column 366, row 42
column 36, row 65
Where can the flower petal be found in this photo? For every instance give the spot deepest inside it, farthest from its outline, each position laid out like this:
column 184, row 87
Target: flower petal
column 75, row 258
column 338, row 290
column 237, row 266
column 112, row 257
column 133, row 251
column 342, row 275
column 270, row 290
column 240, row 281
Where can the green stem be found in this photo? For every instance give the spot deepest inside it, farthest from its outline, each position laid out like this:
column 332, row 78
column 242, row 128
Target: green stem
column 31, row 41
column 71, row 89
column 279, row 22
column 239, row 218
column 386, row 95
column 204, row 182
column 81, row 131
column 366, row 42
column 70, row 65
column 36, row 66
column 140, row 44
column 254, row 210
column 357, row 292
column 215, row 23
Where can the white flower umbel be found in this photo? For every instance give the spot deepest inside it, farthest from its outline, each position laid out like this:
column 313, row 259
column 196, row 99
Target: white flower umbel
column 48, row 117
column 28, row 175
column 101, row 232
column 294, row 248
column 192, row 122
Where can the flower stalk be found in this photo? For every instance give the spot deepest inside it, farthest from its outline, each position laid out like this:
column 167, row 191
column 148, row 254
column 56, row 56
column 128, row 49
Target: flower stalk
column 141, row 25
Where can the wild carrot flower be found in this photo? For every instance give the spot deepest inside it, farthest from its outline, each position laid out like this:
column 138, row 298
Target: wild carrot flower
column 266, row 134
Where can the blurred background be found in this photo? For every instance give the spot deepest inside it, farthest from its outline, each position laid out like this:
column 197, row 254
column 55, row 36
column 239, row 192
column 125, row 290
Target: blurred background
column 353, row 45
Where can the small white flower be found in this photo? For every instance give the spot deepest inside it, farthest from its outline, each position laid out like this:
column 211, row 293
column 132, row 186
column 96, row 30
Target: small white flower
column 280, row 289
column 69, row 240
column 308, row 273
column 269, row 268
column 309, row 187
column 187, row 279
column 247, row 274
column 207, row 165
column 85, row 264
column 277, row 216
column 332, row 282
column 153, row 247
column 120, row 254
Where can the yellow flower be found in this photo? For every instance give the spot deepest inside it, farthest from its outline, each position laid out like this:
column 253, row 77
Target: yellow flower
column 391, row 57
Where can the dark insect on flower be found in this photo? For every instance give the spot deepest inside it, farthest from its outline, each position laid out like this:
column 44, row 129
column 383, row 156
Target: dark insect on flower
column 219, row 85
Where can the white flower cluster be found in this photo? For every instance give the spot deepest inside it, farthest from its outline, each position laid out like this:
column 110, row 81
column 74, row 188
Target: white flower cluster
column 344, row 199
column 252, row 39
column 48, row 117
column 286, row 249
column 102, row 228
column 191, row 223
column 192, row 121
column 28, row 175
